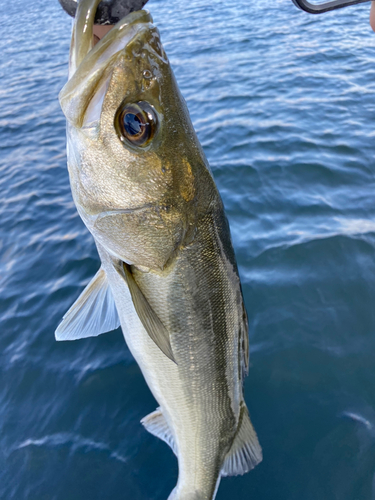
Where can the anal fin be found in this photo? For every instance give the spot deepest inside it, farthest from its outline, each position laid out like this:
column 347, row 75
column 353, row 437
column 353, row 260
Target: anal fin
column 93, row 313
column 245, row 452
column 156, row 425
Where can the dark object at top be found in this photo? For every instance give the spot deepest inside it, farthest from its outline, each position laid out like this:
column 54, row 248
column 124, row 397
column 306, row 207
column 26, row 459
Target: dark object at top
column 108, row 11
column 314, row 8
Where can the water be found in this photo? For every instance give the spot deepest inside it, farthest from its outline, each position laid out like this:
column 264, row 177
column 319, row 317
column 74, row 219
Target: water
column 284, row 106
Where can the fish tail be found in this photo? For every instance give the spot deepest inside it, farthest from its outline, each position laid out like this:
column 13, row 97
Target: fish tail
column 187, row 493
column 193, row 495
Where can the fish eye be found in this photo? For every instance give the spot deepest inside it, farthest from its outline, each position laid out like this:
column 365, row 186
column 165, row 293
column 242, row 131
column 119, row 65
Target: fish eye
column 136, row 123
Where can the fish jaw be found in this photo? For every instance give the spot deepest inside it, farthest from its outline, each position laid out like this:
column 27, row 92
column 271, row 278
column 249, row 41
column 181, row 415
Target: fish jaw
column 82, row 36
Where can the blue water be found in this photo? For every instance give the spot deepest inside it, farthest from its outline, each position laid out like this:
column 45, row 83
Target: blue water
column 284, row 105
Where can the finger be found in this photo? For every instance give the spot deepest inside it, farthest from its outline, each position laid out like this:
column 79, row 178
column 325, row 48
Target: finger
column 372, row 16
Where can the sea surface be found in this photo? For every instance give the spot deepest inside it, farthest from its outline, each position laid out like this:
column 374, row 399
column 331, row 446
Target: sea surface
column 284, row 105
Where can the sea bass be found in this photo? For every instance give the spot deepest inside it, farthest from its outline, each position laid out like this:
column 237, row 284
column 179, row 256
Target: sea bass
column 168, row 274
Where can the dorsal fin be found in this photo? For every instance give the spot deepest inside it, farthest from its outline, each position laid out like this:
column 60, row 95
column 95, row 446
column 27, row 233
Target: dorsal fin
column 245, row 452
column 93, row 313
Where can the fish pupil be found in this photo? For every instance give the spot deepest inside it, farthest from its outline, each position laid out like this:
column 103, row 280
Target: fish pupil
column 133, row 125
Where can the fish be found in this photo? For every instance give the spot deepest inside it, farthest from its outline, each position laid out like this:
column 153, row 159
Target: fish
column 143, row 188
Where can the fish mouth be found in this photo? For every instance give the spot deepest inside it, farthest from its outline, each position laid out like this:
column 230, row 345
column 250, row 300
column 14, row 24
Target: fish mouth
column 82, row 36
column 89, row 64
column 109, row 12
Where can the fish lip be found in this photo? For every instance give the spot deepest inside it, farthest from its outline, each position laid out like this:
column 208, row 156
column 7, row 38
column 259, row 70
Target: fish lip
column 82, row 36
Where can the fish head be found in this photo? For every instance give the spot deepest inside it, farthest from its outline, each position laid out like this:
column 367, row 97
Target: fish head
column 136, row 166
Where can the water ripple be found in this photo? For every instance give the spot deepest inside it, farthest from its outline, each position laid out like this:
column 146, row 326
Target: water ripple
column 283, row 104
column 74, row 442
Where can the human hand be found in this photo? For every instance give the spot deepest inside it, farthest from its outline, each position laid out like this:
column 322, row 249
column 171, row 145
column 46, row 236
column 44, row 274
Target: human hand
column 372, row 16
column 100, row 31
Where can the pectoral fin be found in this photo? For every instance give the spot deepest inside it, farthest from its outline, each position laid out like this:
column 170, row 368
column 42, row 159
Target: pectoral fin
column 245, row 452
column 150, row 320
column 93, row 313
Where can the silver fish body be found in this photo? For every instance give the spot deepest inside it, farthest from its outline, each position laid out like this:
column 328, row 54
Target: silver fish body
column 168, row 273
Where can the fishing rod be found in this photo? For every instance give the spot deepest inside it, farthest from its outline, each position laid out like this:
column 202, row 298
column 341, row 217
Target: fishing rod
column 111, row 11
column 319, row 8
